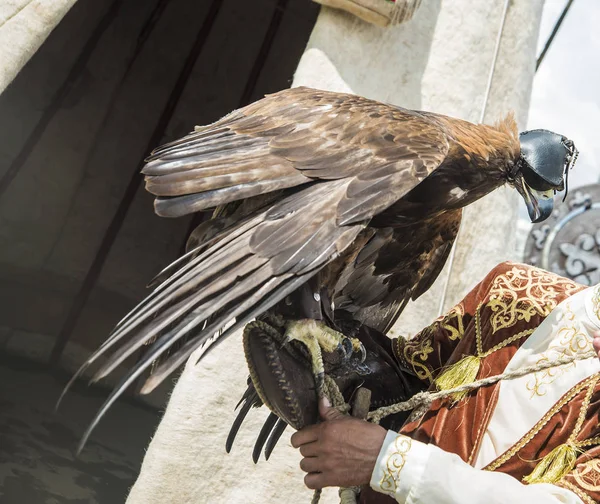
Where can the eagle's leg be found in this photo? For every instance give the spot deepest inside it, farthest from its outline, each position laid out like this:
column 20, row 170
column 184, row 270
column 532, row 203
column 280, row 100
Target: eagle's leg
column 318, row 337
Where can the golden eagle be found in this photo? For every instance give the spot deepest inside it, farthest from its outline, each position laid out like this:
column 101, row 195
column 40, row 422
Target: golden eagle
column 324, row 201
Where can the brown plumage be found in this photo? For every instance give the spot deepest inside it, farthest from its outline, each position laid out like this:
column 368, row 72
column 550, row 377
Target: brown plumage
column 318, row 193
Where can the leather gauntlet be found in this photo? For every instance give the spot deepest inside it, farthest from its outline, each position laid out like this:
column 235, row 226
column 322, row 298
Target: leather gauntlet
column 281, row 378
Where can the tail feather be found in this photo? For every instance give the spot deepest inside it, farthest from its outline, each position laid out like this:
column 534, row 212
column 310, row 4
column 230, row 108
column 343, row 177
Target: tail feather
column 240, row 276
column 170, row 270
column 168, row 297
column 249, row 393
column 195, row 310
column 263, row 436
column 207, row 340
column 264, row 298
column 250, row 399
column 189, row 277
column 225, row 239
column 274, row 437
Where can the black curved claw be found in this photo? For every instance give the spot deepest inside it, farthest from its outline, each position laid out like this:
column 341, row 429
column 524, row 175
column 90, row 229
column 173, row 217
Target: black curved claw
column 347, row 348
column 363, row 353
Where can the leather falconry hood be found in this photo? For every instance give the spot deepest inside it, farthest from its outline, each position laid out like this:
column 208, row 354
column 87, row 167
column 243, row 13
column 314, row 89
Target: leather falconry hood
column 546, row 156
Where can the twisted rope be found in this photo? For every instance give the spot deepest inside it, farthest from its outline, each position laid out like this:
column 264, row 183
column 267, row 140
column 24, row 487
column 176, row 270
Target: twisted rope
column 333, row 393
column 349, row 495
column 316, row 496
column 423, row 400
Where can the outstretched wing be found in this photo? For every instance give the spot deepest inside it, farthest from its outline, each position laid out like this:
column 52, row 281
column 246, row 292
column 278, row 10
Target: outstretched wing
column 350, row 157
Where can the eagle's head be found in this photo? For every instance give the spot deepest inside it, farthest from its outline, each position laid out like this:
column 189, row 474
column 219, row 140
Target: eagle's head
column 542, row 169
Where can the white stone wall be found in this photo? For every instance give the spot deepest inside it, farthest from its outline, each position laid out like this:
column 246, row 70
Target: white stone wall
column 438, row 61
column 24, row 25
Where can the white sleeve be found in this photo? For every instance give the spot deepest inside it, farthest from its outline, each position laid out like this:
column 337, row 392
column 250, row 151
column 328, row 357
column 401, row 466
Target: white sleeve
column 417, row 473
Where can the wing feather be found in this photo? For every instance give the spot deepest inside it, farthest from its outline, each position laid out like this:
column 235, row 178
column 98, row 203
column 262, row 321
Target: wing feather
column 290, row 138
column 395, row 266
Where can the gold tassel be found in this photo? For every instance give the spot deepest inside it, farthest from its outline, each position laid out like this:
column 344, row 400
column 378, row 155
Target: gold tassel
column 555, row 465
column 462, row 372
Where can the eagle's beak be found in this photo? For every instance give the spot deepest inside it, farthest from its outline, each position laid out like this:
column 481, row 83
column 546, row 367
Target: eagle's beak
column 539, row 203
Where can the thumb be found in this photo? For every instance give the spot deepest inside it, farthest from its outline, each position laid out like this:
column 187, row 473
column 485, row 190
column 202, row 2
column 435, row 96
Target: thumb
column 327, row 412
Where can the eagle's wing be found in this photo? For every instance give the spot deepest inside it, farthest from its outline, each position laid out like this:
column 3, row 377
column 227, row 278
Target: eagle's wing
column 295, row 137
column 395, row 266
column 352, row 157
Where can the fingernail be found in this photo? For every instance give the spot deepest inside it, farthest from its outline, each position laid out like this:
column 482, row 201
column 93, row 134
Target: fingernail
column 326, row 402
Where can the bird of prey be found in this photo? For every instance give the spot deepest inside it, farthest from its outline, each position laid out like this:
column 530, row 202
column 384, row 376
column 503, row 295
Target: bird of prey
column 324, row 201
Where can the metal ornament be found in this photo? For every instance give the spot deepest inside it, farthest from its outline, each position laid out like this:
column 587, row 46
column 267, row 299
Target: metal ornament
column 568, row 242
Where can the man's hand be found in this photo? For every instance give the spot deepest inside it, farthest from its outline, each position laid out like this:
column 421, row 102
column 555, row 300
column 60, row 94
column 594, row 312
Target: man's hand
column 341, row 451
column 596, row 336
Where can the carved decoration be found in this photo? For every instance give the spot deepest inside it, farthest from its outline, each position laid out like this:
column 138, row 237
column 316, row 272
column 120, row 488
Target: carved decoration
column 568, row 243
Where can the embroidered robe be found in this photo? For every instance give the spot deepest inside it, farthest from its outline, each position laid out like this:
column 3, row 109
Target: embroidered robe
column 517, row 316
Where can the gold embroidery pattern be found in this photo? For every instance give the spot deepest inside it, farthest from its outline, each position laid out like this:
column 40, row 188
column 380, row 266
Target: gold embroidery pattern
column 455, row 333
column 577, row 491
column 499, row 346
column 587, row 475
column 571, row 341
column 522, row 293
column 398, row 345
column 394, row 465
column 584, row 407
column 508, row 454
column 415, row 352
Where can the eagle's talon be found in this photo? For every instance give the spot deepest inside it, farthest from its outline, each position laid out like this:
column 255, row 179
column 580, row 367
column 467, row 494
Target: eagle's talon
column 352, row 346
column 357, row 348
column 347, row 348
column 363, row 353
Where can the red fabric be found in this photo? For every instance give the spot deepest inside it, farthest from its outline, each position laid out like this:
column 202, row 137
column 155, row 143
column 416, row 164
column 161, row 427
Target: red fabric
column 513, row 297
